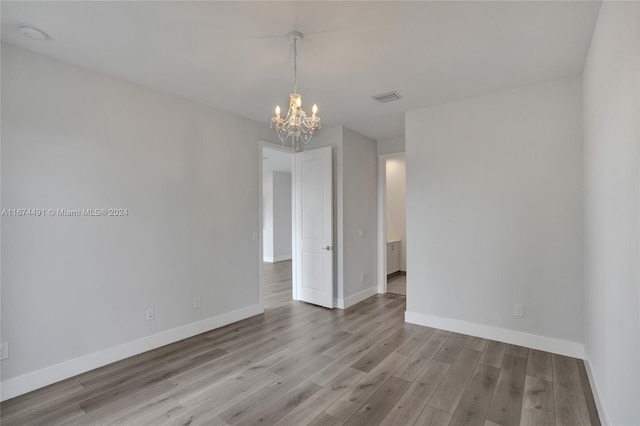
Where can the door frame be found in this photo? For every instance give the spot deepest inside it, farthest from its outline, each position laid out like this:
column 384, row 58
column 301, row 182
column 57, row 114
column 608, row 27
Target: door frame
column 382, row 218
column 277, row 147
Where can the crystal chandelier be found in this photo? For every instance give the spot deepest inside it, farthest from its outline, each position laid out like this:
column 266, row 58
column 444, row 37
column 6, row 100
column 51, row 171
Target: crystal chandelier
column 296, row 126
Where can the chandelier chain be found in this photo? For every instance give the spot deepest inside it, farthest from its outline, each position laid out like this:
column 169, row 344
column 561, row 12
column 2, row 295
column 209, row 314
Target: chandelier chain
column 295, row 65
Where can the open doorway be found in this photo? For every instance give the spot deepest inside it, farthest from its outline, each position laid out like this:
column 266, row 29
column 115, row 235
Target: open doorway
column 396, row 188
column 276, row 227
column 393, row 235
column 296, row 226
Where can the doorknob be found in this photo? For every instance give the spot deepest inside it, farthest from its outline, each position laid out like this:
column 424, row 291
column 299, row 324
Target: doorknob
column 328, row 248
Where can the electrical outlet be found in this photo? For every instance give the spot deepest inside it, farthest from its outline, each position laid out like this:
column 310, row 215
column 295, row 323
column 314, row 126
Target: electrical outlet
column 362, row 277
column 197, row 302
column 255, row 235
column 4, row 350
column 150, row 314
column 518, row 310
column 360, row 232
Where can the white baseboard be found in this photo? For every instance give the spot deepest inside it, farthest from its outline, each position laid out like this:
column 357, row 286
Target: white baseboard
column 535, row 341
column 277, row 258
column 602, row 412
column 34, row 380
column 357, row 298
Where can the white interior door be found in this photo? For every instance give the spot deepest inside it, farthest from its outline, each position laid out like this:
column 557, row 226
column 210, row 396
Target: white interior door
column 313, row 218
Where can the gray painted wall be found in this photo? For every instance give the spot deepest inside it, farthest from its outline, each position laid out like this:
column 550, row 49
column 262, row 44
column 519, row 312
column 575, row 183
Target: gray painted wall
column 360, row 213
column 611, row 87
column 187, row 174
column 495, row 210
column 281, row 215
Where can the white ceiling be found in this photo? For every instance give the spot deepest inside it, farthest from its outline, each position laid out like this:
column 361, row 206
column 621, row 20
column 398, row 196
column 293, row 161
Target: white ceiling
column 234, row 56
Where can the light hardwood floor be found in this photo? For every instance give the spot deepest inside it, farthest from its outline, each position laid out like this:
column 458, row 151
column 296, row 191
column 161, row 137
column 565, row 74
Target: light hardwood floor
column 298, row 364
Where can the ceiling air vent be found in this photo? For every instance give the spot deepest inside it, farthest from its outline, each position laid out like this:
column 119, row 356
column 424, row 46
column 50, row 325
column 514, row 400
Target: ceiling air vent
column 387, row 97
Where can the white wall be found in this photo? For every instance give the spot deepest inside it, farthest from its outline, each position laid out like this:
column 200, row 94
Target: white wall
column 391, row 146
column 73, row 286
column 396, row 181
column 494, row 214
column 611, row 85
column 267, row 218
column 281, row 216
column 360, row 214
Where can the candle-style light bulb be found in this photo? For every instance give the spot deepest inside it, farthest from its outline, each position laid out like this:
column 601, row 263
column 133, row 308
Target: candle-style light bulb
column 314, row 109
column 298, row 101
column 278, row 110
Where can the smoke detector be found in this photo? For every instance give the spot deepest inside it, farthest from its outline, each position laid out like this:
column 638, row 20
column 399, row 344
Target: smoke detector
column 32, row 33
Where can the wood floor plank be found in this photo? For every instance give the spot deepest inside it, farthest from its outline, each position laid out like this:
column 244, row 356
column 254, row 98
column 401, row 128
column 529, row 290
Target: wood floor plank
column 334, row 369
column 197, row 348
column 451, row 348
column 474, row 403
column 570, row 405
column 413, row 367
column 318, row 343
column 357, row 395
column 415, row 341
column 164, row 413
column 376, row 323
column 346, row 345
column 189, row 419
column 125, row 364
column 123, row 376
column 63, row 416
column 326, row 420
column 367, row 319
column 311, row 408
column 110, row 394
column 222, row 395
column 247, row 408
column 380, row 403
column 493, row 354
column 327, row 374
column 506, row 406
column 588, row 394
column 294, row 362
column 147, row 401
column 476, row 343
column 180, row 365
column 412, row 403
column 431, row 346
column 433, row 417
column 539, row 365
column 537, row 405
column 449, row 392
column 228, row 365
column 380, row 352
column 516, row 350
column 28, row 402
column 270, row 413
